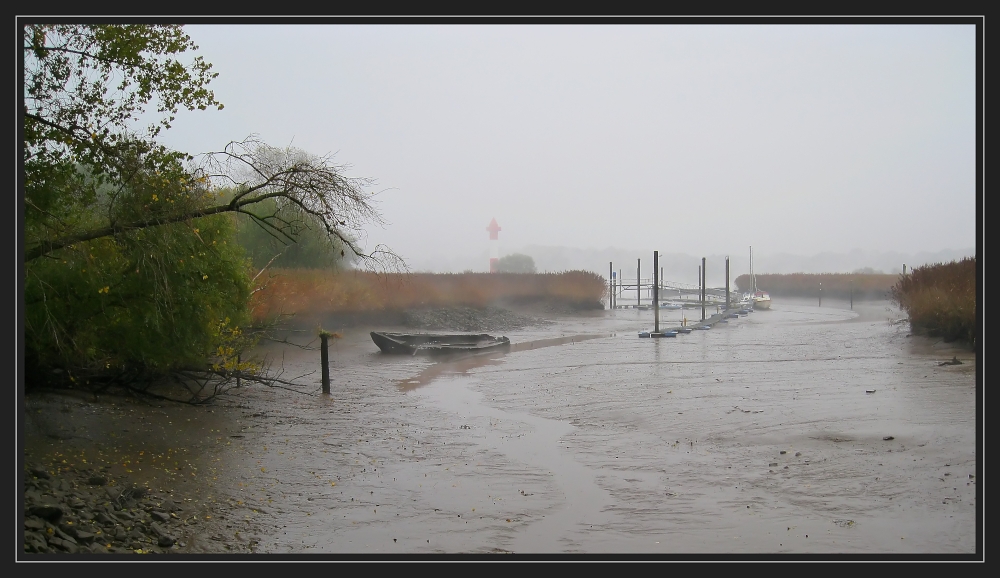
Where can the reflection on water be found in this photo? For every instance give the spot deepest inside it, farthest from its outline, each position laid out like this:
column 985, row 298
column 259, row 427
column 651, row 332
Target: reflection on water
column 463, row 363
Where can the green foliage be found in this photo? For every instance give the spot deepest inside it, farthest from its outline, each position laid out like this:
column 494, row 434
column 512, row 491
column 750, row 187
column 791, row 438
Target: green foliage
column 516, row 263
column 85, row 89
column 160, row 298
column 308, row 247
column 171, row 288
column 940, row 299
column 132, row 257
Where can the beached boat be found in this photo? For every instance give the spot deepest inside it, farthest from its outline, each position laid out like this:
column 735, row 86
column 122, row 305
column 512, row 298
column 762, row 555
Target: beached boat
column 437, row 343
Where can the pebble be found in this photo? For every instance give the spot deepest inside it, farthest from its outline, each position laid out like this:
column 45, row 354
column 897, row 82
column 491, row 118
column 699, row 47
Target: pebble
column 59, row 518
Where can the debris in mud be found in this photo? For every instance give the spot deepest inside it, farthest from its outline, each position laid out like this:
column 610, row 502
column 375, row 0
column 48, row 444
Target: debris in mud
column 888, row 438
column 844, row 523
column 869, row 391
column 954, row 361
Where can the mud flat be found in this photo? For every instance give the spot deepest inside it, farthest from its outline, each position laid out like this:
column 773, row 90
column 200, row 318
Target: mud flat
column 796, row 430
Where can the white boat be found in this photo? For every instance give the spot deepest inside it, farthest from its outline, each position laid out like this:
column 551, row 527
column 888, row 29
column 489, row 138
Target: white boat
column 761, row 300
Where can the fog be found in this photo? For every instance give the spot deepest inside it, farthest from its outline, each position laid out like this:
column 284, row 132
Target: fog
column 854, row 142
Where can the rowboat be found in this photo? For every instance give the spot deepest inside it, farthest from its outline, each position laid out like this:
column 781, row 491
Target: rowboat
column 437, row 343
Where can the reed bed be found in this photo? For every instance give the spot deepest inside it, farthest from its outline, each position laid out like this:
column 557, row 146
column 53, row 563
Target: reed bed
column 295, row 291
column 834, row 285
column 940, row 300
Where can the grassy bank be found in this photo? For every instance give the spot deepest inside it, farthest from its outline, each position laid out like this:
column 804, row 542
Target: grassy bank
column 940, row 300
column 835, row 285
column 301, row 291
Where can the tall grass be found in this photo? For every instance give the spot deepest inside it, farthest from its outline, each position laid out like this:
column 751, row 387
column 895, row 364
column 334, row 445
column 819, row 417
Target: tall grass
column 940, row 299
column 294, row 291
column 835, row 285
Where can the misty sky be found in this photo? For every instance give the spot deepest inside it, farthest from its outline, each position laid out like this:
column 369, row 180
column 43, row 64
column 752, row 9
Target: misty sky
column 699, row 139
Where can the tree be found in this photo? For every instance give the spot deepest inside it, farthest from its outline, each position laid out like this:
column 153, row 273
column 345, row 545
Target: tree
column 79, row 137
column 516, row 263
column 85, row 88
column 130, row 257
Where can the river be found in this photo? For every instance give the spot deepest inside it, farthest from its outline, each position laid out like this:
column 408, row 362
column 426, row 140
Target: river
column 802, row 429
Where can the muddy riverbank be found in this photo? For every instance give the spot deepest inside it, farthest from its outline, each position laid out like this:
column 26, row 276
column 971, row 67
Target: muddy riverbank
column 802, row 429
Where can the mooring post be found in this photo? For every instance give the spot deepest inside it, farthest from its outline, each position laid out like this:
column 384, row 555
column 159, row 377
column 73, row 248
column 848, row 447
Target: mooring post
column 727, row 283
column 656, row 292
column 324, row 359
column 702, row 288
column 638, row 284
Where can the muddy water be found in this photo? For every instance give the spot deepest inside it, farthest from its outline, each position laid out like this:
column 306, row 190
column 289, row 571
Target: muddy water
column 796, row 430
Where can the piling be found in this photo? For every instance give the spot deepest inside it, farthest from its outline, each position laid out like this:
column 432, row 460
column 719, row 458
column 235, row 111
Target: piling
column 656, row 292
column 324, row 357
column 611, row 285
column 702, row 288
column 727, row 283
column 638, row 293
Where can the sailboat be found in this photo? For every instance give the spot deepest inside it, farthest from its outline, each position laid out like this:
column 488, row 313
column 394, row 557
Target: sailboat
column 761, row 299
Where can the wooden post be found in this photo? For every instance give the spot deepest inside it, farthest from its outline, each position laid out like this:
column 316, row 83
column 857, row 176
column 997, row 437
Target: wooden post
column 324, row 356
column 702, row 288
column 656, row 292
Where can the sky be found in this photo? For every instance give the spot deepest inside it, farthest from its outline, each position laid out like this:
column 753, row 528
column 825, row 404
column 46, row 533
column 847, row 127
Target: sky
column 696, row 139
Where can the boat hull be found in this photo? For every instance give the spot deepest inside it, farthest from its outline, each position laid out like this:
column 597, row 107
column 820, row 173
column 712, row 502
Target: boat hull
column 437, row 343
